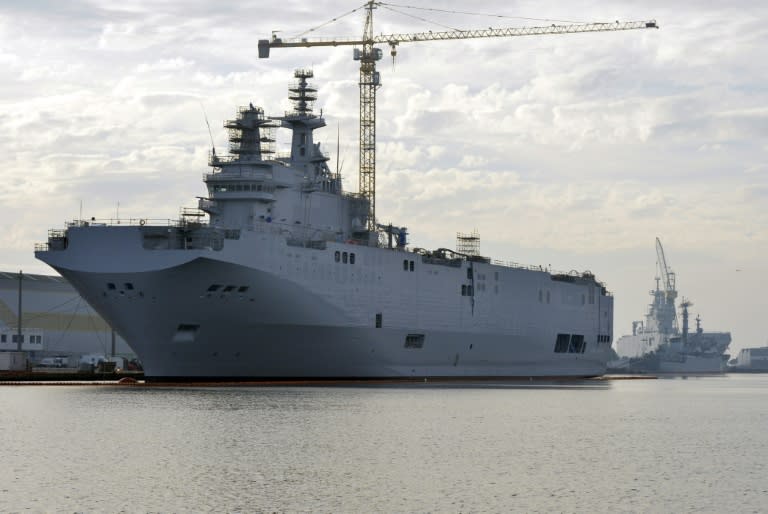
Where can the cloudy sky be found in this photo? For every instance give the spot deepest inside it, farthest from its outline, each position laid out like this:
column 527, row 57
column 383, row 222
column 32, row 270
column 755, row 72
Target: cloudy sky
column 573, row 151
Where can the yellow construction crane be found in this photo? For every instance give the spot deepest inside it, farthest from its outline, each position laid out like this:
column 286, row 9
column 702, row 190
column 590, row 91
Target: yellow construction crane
column 369, row 77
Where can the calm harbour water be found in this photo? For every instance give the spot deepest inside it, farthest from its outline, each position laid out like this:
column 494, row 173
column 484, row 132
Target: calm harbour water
column 668, row 445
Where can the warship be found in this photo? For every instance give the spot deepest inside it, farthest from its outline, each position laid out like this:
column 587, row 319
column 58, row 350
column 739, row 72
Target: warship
column 660, row 345
column 279, row 273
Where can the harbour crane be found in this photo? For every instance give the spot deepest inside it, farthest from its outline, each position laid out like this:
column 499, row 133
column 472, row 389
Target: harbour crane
column 666, row 274
column 368, row 54
column 665, row 299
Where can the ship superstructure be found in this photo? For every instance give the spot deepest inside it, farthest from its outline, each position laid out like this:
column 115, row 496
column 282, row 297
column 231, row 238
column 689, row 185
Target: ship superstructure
column 277, row 274
column 659, row 344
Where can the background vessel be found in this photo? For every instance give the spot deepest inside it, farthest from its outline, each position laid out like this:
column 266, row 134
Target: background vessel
column 658, row 344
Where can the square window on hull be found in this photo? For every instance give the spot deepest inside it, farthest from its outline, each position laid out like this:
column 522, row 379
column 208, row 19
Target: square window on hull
column 577, row 344
column 414, row 341
column 561, row 344
column 185, row 333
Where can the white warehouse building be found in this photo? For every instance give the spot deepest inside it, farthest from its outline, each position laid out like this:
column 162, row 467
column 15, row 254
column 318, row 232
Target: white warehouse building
column 55, row 320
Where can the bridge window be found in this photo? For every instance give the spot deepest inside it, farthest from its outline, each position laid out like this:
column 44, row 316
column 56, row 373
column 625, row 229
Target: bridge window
column 352, row 258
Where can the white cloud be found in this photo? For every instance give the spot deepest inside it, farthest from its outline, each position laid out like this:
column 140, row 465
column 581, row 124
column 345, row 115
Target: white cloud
column 174, row 64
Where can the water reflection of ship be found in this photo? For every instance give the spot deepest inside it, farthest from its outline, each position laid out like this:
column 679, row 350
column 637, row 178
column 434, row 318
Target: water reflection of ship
column 659, row 345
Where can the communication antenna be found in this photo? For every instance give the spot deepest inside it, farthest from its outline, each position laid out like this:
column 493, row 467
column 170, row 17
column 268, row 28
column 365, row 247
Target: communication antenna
column 338, row 147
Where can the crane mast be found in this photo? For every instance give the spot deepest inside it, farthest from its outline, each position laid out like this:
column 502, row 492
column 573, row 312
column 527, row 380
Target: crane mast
column 368, row 54
column 664, row 299
column 667, row 275
column 369, row 81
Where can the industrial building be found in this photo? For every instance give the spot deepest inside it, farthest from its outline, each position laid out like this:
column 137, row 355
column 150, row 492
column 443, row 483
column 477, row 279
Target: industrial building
column 56, row 322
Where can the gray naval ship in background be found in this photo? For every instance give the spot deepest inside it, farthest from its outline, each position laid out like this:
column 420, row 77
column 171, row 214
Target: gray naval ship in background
column 287, row 277
column 659, row 345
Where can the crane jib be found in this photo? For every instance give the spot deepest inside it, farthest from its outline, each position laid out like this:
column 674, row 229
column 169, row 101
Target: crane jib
column 275, row 42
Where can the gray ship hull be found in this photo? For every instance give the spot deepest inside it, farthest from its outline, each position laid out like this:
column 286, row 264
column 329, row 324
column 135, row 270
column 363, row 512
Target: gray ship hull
column 641, row 357
column 278, row 328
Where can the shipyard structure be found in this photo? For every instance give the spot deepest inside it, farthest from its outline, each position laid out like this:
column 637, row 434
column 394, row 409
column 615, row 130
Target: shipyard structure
column 57, row 327
column 750, row 360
